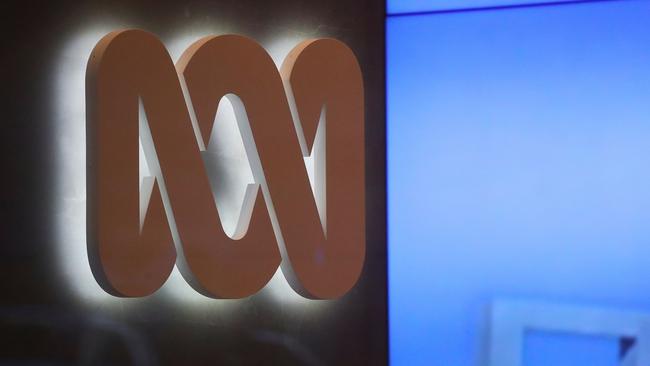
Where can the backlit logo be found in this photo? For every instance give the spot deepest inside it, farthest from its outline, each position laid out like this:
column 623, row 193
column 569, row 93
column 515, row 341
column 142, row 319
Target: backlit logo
column 137, row 231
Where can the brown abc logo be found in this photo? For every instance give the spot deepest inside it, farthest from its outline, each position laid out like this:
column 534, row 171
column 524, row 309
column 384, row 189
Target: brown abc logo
column 136, row 233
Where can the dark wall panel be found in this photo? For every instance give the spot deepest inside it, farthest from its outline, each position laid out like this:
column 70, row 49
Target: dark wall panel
column 49, row 310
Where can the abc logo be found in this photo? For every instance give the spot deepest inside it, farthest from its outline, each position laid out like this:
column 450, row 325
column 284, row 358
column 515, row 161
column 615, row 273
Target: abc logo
column 138, row 231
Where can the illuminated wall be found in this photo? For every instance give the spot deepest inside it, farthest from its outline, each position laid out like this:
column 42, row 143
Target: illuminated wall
column 518, row 168
column 52, row 310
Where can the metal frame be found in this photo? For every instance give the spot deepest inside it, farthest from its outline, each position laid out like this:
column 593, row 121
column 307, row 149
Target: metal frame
column 509, row 321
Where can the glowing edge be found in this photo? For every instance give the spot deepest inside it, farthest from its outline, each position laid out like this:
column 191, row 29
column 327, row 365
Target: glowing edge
column 70, row 206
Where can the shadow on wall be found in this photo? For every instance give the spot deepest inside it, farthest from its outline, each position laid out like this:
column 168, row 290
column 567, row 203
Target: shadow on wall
column 71, row 339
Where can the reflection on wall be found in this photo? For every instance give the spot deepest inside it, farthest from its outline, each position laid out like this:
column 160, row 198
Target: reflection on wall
column 518, row 168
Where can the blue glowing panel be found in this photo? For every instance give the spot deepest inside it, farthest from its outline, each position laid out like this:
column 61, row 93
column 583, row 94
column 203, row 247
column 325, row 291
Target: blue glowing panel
column 410, row 6
column 558, row 349
column 518, row 168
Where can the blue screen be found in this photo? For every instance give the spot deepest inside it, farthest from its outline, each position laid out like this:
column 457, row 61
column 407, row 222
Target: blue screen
column 518, row 168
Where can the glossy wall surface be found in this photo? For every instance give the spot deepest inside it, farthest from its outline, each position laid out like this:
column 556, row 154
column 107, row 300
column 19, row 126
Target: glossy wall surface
column 52, row 310
column 518, row 169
